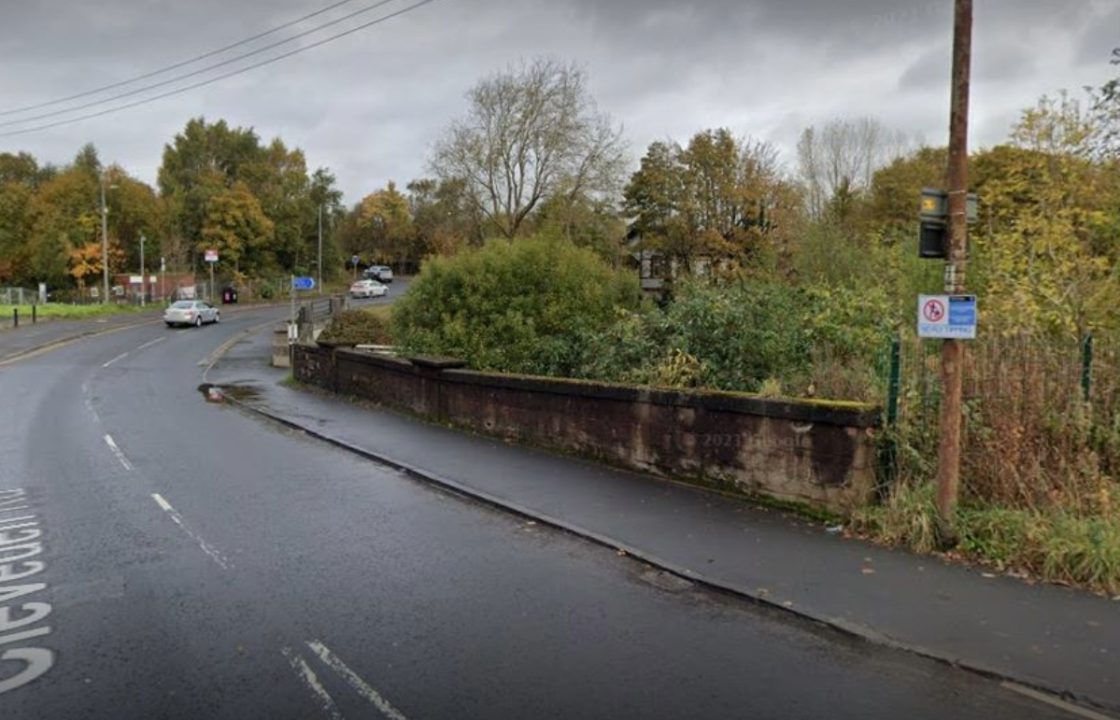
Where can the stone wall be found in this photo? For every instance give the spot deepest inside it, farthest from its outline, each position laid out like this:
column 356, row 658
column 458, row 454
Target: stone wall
column 817, row 453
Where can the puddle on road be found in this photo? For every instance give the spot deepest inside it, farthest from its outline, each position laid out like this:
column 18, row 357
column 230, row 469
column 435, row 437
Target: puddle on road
column 219, row 393
column 242, row 392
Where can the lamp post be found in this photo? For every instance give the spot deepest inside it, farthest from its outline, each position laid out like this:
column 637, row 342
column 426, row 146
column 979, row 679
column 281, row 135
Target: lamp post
column 319, row 263
column 104, row 245
column 143, row 276
column 104, row 241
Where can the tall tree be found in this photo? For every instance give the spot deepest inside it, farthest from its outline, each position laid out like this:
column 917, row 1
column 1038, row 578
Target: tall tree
column 63, row 215
column 326, row 203
column 134, row 211
column 386, row 220
column 1048, row 243
column 445, row 217
column 528, row 135
column 19, row 176
column 844, row 155
column 237, row 227
column 720, row 196
column 1105, row 107
column 200, row 162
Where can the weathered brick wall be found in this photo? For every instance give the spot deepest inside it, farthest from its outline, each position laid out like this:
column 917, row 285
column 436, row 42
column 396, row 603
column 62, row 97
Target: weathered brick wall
column 817, row 453
column 314, row 365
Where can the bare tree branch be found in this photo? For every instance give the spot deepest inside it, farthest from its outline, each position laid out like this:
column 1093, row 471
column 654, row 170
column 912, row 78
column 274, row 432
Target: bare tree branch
column 529, row 134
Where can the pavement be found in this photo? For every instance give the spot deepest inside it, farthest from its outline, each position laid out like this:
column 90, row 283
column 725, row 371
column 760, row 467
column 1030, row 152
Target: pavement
column 1055, row 639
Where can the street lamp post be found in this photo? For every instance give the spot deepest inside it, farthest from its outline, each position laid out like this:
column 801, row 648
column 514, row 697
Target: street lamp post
column 319, row 264
column 143, row 276
column 104, row 241
column 104, row 245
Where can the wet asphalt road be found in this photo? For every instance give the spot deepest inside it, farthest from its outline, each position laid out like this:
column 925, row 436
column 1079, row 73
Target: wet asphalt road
column 197, row 563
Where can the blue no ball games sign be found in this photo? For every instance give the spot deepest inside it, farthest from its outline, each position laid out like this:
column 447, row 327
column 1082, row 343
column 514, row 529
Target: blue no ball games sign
column 950, row 317
column 303, row 283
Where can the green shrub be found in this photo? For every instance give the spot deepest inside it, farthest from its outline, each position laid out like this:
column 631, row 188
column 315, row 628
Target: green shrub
column 524, row 306
column 359, row 327
column 742, row 335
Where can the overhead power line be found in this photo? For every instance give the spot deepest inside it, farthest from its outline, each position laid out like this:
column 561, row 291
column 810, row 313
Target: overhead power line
column 218, row 78
column 195, row 73
column 176, row 66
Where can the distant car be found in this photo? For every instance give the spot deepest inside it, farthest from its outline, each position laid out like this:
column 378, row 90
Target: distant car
column 381, row 273
column 191, row 312
column 368, row 289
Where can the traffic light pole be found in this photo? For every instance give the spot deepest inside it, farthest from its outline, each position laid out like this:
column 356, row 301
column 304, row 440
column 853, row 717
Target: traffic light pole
column 952, row 351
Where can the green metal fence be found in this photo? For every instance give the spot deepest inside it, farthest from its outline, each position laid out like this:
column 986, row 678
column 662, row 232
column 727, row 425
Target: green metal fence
column 1040, row 414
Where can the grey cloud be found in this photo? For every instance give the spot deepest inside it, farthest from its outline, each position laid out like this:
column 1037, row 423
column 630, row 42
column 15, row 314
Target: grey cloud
column 370, row 106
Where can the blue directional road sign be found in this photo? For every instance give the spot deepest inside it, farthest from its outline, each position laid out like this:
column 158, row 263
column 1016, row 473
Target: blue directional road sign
column 303, row 283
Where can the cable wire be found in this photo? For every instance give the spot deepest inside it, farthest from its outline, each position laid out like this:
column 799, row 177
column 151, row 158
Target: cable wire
column 195, row 73
column 209, row 81
column 176, row 66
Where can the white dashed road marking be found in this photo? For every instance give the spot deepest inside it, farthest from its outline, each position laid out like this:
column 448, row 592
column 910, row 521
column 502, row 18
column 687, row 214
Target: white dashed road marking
column 358, row 684
column 207, row 548
column 311, row 680
column 150, row 343
column 122, row 356
column 118, row 452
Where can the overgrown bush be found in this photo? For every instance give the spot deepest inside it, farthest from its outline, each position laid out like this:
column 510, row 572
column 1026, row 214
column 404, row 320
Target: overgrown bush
column 744, row 335
column 525, row 306
column 369, row 326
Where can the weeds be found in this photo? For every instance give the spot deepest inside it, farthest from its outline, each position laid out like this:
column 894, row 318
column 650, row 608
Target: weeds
column 1054, row 545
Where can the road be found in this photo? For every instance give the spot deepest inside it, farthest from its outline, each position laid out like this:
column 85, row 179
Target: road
column 164, row 557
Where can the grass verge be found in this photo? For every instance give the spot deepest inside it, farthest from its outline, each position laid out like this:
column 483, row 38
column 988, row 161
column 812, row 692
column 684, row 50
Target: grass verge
column 1054, row 545
column 60, row 311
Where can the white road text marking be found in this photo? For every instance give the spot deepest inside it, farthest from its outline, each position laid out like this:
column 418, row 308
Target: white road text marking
column 118, row 452
column 178, row 519
column 19, row 542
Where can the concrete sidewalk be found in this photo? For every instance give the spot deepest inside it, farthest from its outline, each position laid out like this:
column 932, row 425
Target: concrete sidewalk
column 1060, row 640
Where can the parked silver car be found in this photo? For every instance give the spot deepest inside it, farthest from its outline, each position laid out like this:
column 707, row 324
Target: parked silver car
column 191, row 312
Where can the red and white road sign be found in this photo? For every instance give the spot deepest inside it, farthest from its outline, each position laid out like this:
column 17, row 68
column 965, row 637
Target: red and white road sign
column 933, row 310
column 211, row 256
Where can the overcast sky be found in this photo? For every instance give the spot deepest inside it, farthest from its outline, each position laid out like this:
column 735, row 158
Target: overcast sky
column 370, row 105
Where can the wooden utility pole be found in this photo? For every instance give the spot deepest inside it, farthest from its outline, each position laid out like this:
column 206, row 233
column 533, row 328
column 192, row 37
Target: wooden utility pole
column 952, row 351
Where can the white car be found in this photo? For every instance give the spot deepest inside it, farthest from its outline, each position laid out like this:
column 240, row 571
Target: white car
column 191, row 312
column 367, row 289
column 380, row 273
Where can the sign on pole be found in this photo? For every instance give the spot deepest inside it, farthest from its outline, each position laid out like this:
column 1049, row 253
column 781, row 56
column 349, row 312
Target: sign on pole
column 303, row 283
column 355, row 260
column 211, row 256
column 950, row 317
